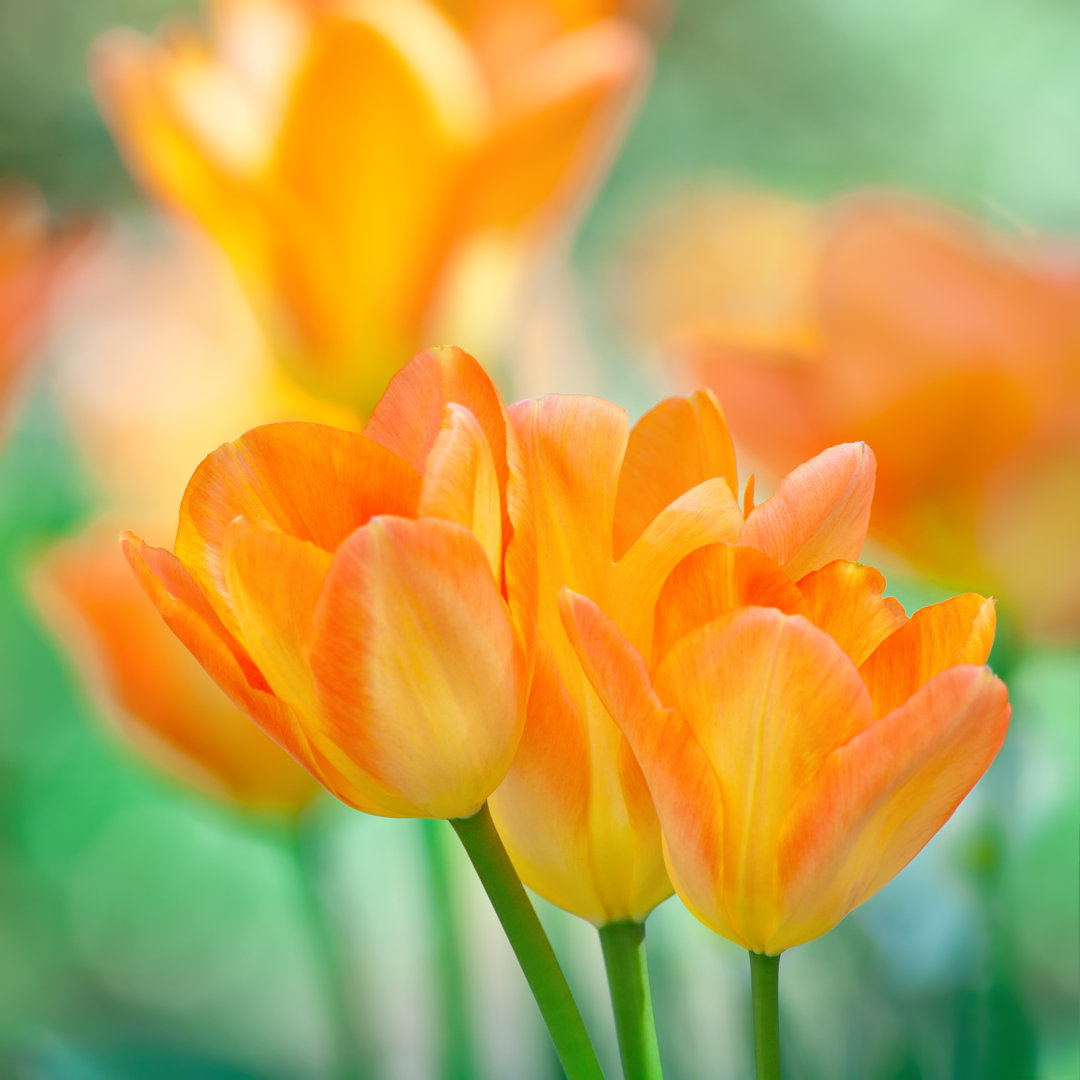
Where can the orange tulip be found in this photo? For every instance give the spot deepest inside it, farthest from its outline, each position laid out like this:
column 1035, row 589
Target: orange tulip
column 347, row 590
column 30, row 258
column 162, row 701
column 615, row 511
column 376, row 184
column 802, row 741
column 954, row 352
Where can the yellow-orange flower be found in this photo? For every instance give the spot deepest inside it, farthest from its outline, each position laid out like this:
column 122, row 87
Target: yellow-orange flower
column 162, row 701
column 375, row 182
column 953, row 351
column 348, row 590
column 30, row 257
column 615, row 511
column 802, row 741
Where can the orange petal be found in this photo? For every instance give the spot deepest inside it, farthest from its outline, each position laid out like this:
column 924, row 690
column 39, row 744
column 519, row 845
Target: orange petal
column 713, row 581
column 767, row 696
column 419, row 673
column 681, row 779
column 878, row 799
column 672, row 448
column 957, row 631
column 461, row 484
column 844, row 599
column 175, row 594
column 312, row 482
column 819, row 513
column 706, row 514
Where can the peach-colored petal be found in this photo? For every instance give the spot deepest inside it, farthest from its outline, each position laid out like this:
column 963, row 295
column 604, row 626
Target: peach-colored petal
column 175, row 594
column 419, row 673
column 957, row 631
column 767, row 696
column 845, row 600
column 681, row 779
column 461, row 484
column 274, row 583
column 714, row 580
column 313, row 482
column 880, row 797
column 819, row 513
column 672, row 448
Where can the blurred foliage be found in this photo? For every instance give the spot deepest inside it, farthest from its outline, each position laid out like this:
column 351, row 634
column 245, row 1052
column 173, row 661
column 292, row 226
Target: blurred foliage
column 147, row 933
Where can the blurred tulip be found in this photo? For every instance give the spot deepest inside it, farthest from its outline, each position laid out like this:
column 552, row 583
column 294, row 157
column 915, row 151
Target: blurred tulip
column 161, row 699
column 802, row 741
column 615, row 511
column 31, row 255
column 376, row 183
column 346, row 590
column 955, row 353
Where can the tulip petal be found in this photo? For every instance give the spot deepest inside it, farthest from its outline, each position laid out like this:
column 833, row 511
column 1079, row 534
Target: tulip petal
column 419, row 674
column 957, row 631
column 714, row 580
column 176, row 595
column 845, row 600
column 461, row 484
column 672, row 448
column 312, row 482
column 878, row 799
column 819, row 513
column 767, row 696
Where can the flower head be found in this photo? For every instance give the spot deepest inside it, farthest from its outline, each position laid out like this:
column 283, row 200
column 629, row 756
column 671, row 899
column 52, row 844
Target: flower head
column 350, row 591
column 615, row 511
column 802, row 739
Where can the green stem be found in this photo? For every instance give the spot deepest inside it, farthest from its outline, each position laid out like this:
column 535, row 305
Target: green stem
column 530, row 944
column 628, row 979
column 353, row 1041
column 765, row 989
column 459, row 1058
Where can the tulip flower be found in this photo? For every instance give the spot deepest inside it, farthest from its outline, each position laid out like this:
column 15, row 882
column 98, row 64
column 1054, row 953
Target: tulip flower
column 956, row 356
column 161, row 699
column 802, row 740
column 30, row 259
column 615, row 511
column 346, row 590
column 375, row 181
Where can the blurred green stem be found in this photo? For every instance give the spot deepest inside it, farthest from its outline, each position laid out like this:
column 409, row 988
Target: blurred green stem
column 530, row 945
column 458, row 1054
column 353, row 1041
column 765, row 990
column 631, row 1000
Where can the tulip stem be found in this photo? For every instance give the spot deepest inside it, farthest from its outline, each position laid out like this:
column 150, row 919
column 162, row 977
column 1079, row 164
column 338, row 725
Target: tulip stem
column 457, row 1043
column 765, row 990
column 623, row 944
column 530, row 944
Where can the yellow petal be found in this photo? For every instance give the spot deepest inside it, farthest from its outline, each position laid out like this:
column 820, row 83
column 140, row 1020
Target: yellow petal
column 312, row 482
column 419, row 673
column 957, row 631
column 713, row 581
column 844, row 599
column 878, row 799
column 672, row 448
column 819, row 513
column 460, row 483
column 767, row 696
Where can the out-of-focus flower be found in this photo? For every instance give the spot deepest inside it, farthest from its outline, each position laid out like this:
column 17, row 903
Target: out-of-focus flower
column 802, row 742
column 31, row 255
column 347, row 590
column 615, row 511
column 149, row 684
column 955, row 353
column 377, row 184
